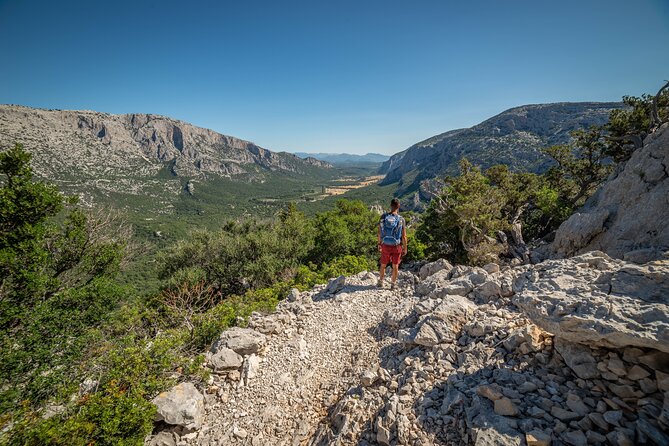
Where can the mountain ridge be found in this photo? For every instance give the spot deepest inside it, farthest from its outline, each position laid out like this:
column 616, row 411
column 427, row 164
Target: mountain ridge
column 144, row 155
column 346, row 158
column 514, row 137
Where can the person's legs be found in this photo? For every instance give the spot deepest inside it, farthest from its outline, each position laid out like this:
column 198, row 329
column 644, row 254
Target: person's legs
column 382, row 273
column 394, row 276
column 396, row 263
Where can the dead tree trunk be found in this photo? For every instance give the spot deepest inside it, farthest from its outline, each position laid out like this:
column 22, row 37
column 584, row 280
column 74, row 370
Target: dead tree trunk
column 655, row 120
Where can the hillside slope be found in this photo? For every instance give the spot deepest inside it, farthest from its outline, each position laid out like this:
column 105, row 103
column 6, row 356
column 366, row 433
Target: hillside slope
column 514, row 137
column 99, row 155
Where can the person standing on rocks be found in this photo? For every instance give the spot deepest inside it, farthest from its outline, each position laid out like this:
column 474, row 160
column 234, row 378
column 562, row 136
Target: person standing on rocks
column 392, row 241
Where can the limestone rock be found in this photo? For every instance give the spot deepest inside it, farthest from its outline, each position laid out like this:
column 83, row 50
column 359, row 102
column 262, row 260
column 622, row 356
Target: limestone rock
column 505, row 407
column 570, row 299
column 578, row 231
column 368, row 377
column 575, row 438
column 435, row 281
column 537, row 438
column 489, row 392
column 183, row 405
column 430, row 268
column 243, row 341
column 635, row 203
column 662, row 381
column 564, row 415
column 489, row 429
column 225, row 359
column 455, row 311
column 335, row 285
column 163, row 438
column 578, row 358
column 250, row 368
column 293, row 295
column 431, row 331
column 489, row 289
column 491, row 268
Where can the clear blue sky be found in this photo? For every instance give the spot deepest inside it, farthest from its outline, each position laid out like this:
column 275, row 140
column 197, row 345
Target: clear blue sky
column 332, row 76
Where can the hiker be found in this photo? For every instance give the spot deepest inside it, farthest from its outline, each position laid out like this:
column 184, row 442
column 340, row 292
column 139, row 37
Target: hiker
column 392, row 241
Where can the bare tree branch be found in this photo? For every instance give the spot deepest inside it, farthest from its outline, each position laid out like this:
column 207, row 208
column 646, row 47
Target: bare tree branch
column 655, row 120
column 634, row 139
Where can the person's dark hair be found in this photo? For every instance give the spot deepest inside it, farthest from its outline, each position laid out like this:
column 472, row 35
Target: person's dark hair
column 394, row 204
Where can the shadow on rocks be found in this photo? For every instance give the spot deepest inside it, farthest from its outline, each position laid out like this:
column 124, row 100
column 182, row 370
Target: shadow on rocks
column 326, row 295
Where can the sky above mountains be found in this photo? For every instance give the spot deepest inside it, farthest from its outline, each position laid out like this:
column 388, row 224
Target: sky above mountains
column 346, row 76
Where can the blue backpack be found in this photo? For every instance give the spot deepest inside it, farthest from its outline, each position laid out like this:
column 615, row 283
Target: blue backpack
column 391, row 229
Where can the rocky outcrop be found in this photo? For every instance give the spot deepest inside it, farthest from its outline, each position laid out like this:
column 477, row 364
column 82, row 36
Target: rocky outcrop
column 598, row 301
column 566, row 352
column 628, row 217
column 183, row 406
column 514, row 137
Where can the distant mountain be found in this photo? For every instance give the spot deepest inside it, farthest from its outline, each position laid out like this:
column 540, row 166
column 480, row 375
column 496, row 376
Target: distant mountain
column 345, row 158
column 514, row 137
column 148, row 156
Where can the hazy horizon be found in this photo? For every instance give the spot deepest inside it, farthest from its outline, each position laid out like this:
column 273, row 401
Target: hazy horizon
column 330, row 78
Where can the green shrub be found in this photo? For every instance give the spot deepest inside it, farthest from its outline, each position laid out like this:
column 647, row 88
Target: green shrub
column 349, row 229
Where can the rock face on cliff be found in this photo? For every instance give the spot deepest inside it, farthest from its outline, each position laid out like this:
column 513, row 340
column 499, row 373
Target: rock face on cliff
column 137, row 154
column 514, row 137
column 567, row 352
column 628, row 217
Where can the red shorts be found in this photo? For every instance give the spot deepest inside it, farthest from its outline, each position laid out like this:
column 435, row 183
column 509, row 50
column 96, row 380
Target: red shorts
column 391, row 254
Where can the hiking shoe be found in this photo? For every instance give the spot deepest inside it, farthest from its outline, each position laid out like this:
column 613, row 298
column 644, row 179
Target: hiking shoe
column 393, row 286
column 379, row 284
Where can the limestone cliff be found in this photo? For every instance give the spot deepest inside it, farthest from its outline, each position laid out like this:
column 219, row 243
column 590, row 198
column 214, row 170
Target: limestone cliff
column 628, row 217
column 81, row 151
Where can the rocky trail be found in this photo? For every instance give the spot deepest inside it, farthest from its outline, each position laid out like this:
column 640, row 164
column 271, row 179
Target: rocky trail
column 315, row 349
column 572, row 351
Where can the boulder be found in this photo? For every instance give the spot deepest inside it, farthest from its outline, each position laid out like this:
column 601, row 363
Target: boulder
column 251, row 368
column 649, row 282
column 455, row 311
column 433, row 282
column 225, row 359
column 431, row 331
column 163, row 438
column 243, row 341
column 491, row 268
column 597, row 301
column 430, row 268
column 335, row 285
column 578, row 358
column 578, row 231
column 182, row 405
column 293, row 295
column 505, row 407
column 489, row 289
column 459, row 287
column 368, row 377
column 537, row 438
column 644, row 255
column 490, row 429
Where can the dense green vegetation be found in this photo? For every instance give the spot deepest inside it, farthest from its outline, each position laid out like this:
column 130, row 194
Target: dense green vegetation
column 83, row 351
